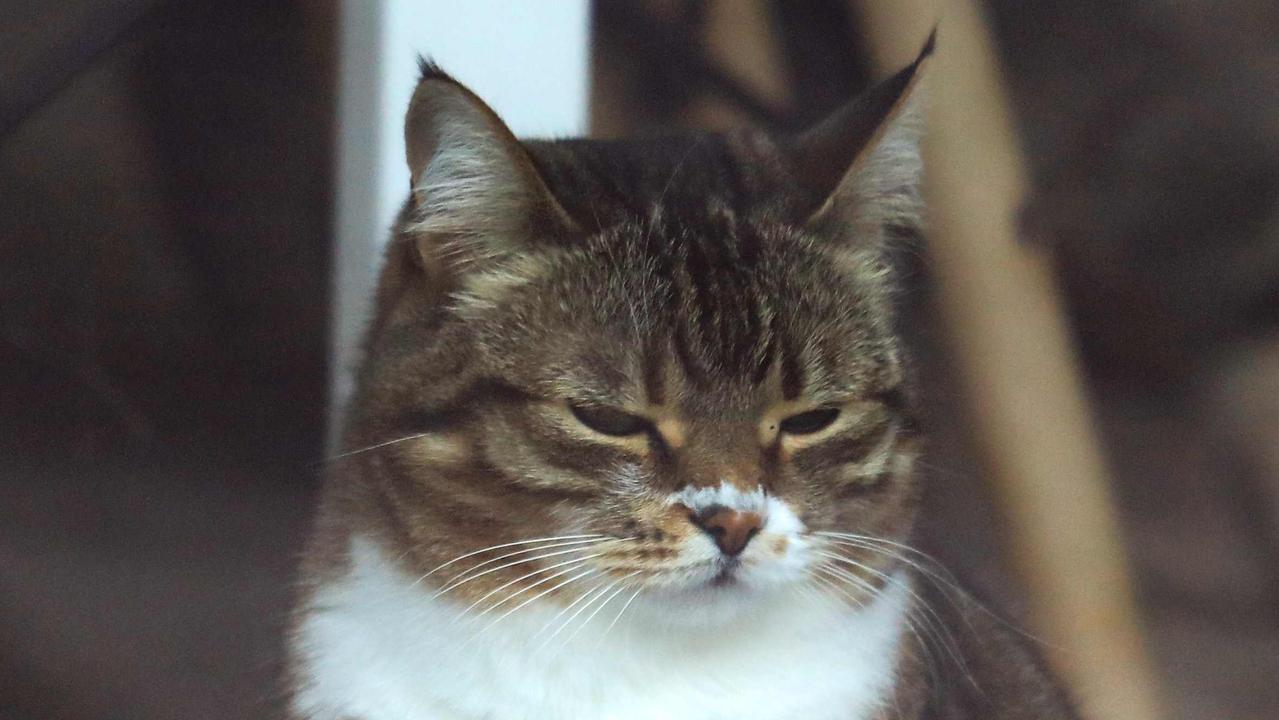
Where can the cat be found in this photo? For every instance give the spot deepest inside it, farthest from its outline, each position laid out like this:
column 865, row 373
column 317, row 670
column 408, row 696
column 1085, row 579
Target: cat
column 633, row 440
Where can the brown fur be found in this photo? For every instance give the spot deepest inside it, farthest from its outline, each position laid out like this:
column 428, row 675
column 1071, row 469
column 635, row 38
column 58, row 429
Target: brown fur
column 712, row 285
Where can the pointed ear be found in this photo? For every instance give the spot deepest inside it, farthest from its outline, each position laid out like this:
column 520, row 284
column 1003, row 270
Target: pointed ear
column 476, row 192
column 860, row 168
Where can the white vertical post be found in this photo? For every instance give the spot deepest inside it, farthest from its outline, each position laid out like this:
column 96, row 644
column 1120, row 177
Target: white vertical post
column 527, row 58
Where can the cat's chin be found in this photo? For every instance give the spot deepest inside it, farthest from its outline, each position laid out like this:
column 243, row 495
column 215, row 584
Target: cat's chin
column 712, row 603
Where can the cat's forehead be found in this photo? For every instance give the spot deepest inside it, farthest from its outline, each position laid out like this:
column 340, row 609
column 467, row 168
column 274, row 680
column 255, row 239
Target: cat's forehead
column 602, row 183
column 720, row 307
column 689, row 258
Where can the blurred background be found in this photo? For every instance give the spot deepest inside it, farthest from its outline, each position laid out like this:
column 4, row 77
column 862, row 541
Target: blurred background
column 169, row 187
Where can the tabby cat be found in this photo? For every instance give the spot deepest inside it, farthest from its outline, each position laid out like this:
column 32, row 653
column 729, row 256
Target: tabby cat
column 633, row 441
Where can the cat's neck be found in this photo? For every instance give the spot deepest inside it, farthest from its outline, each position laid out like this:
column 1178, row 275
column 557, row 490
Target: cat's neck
column 376, row 645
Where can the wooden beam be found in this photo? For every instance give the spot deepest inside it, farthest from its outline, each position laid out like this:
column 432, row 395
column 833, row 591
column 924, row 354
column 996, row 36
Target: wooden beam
column 1018, row 363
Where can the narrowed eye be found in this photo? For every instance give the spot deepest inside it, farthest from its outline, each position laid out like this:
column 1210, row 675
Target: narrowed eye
column 609, row 421
column 809, row 422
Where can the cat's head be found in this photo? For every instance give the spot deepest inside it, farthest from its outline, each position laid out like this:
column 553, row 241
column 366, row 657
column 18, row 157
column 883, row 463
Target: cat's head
column 662, row 366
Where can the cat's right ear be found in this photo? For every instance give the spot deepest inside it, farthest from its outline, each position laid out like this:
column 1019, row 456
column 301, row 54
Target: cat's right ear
column 860, row 168
column 477, row 196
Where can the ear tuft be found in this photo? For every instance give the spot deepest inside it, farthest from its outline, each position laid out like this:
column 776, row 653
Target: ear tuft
column 930, row 45
column 428, row 69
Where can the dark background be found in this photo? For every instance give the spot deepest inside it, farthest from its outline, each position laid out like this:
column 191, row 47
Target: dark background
column 165, row 243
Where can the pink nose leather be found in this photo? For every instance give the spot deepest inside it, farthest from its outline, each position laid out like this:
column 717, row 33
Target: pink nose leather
column 730, row 529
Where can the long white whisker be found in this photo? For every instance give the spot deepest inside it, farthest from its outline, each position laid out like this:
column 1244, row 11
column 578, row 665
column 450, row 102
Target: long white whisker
column 517, row 553
column 551, row 589
column 378, row 446
column 857, row 602
column 911, row 626
column 944, row 584
column 877, row 541
column 940, row 577
column 621, row 612
column 602, row 605
column 933, row 570
column 933, row 619
column 573, row 563
column 860, row 583
column 883, row 576
column 805, row 592
column 935, row 625
column 602, row 588
column 922, row 637
column 499, row 547
column 564, row 610
column 587, row 619
column 513, row 563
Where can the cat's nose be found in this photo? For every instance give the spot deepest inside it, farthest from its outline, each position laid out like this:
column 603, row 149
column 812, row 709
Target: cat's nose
column 730, row 529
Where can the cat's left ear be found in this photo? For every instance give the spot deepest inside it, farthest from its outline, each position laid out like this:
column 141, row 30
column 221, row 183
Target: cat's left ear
column 860, row 168
column 477, row 195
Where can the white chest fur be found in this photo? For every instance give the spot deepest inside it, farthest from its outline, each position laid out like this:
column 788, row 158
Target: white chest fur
column 373, row 646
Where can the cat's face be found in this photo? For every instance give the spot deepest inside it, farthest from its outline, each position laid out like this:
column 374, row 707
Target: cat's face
column 671, row 389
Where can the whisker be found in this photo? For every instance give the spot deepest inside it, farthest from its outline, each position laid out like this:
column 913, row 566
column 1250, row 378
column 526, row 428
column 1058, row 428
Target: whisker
column 933, row 619
column 513, row 563
column 936, row 626
column 573, row 563
column 831, row 584
column 499, row 547
column 601, row 588
column 885, row 577
column 879, row 540
column 619, row 614
column 935, row 571
column 564, row 610
column 860, row 583
column 674, row 173
column 378, row 446
column 882, row 541
column 583, row 609
column 940, row 577
column 808, row 593
column 597, row 610
column 922, row 637
column 912, row 627
column 551, row 589
column 525, row 551
column 945, row 584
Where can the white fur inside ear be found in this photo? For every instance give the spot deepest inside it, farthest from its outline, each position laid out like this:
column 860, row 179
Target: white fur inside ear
column 470, row 191
column 883, row 189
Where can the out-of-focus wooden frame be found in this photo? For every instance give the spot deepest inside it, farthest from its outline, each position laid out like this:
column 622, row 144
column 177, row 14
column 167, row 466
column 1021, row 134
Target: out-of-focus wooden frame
column 1017, row 362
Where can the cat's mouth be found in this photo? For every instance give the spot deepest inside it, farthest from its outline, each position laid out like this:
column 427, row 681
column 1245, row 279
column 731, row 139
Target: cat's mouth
column 729, row 569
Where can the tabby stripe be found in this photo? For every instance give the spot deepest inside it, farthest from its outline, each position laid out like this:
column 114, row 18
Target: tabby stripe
column 557, row 453
column 840, row 450
column 653, row 369
column 460, row 406
column 792, row 372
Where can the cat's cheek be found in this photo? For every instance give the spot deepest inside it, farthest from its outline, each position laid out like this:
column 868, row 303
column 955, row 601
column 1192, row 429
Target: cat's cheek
column 439, row 450
column 857, row 483
column 781, row 552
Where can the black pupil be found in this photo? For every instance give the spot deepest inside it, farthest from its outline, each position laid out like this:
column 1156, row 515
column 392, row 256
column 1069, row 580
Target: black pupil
column 809, row 422
column 608, row 420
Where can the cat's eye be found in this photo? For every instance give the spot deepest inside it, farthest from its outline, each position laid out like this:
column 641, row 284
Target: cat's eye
column 807, row 423
column 609, row 421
